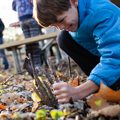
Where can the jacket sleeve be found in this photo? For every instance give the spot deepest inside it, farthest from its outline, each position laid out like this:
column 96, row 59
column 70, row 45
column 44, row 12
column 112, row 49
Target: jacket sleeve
column 106, row 32
column 14, row 5
column 2, row 27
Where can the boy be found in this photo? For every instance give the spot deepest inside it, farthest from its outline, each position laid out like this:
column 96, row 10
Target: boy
column 92, row 39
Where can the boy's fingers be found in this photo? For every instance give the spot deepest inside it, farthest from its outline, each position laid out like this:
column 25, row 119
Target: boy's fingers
column 58, row 85
column 62, row 96
column 64, row 100
column 59, row 91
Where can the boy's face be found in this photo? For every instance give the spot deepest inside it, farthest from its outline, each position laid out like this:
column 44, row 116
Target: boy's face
column 68, row 20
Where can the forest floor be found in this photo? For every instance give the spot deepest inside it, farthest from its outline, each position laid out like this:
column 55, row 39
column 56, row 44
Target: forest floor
column 25, row 98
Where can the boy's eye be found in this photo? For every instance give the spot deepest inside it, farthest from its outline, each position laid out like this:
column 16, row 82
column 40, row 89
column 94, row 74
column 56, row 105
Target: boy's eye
column 61, row 20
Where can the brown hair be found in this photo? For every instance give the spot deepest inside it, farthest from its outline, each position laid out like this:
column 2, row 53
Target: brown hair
column 116, row 2
column 46, row 11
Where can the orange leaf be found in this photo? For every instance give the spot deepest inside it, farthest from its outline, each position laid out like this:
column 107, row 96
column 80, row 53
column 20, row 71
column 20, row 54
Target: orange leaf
column 96, row 102
column 108, row 94
column 2, row 107
column 75, row 82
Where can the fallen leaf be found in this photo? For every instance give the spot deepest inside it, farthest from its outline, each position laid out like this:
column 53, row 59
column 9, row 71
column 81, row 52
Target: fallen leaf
column 75, row 82
column 109, row 111
column 2, row 107
column 56, row 114
column 35, row 97
column 21, row 100
column 66, row 112
column 61, row 76
column 35, row 106
column 41, row 114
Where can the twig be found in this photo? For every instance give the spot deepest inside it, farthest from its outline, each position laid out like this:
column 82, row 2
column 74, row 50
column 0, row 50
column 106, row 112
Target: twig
column 7, row 79
column 53, row 72
column 69, row 66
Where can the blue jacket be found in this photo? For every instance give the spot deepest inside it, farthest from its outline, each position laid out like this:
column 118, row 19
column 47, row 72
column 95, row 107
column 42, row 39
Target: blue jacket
column 24, row 8
column 99, row 33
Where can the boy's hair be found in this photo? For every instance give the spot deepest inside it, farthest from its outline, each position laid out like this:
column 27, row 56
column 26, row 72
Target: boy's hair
column 46, row 11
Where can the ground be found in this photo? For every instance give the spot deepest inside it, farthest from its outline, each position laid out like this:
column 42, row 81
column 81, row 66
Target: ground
column 27, row 98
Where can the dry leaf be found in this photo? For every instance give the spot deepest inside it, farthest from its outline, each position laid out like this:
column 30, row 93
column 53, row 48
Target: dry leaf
column 96, row 102
column 108, row 94
column 109, row 111
column 75, row 82
column 21, row 100
column 2, row 107
column 61, row 76
column 35, row 97
column 35, row 106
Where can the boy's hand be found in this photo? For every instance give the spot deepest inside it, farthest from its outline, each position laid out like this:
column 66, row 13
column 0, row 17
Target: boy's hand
column 64, row 92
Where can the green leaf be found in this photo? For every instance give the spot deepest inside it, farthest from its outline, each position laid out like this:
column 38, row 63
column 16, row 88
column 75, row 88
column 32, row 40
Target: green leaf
column 41, row 114
column 56, row 114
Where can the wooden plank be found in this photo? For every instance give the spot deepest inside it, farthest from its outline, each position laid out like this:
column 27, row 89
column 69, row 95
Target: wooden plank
column 28, row 40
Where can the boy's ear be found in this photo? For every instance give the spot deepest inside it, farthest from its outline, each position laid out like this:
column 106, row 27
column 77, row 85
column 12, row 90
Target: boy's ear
column 74, row 2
